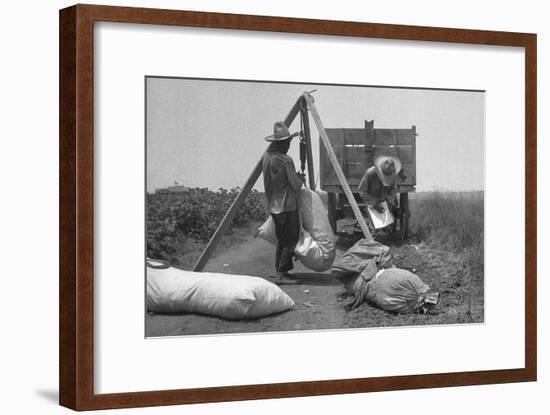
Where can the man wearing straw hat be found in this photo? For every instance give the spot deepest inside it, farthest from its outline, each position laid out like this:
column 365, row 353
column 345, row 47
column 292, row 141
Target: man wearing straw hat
column 378, row 188
column 282, row 184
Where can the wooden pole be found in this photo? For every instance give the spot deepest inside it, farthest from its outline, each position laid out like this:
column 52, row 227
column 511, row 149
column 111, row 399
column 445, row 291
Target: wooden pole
column 307, row 138
column 230, row 214
column 336, row 165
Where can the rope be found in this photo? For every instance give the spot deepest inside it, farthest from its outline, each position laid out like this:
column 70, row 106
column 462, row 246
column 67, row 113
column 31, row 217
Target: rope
column 302, row 144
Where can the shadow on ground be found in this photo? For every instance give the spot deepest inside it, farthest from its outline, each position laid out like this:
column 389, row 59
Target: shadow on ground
column 49, row 395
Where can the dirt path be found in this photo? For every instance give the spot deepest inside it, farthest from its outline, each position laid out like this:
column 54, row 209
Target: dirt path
column 317, row 299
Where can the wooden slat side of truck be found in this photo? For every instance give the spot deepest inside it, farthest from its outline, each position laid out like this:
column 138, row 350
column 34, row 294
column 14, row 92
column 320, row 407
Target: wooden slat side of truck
column 356, row 149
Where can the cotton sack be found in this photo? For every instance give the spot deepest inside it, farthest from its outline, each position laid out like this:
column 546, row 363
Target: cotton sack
column 229, row 296
column 316, row 247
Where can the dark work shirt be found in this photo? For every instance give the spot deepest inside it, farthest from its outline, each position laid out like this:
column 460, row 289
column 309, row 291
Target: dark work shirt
column 371, row 188
column 281, row 182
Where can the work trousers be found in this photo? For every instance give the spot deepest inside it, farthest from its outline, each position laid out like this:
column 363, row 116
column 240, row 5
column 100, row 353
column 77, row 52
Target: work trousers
column 287, row 230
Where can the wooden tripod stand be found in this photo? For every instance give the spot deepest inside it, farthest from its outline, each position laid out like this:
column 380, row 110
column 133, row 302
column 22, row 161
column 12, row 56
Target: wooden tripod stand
column 303, row 105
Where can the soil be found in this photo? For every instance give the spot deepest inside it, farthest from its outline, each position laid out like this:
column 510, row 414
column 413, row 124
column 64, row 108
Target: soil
column 320, row 299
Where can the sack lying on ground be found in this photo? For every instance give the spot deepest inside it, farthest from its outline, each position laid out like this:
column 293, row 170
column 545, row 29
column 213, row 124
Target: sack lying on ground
column 315, row 249
column 400, row 291
column 367, row 272
column 356, row 260
column 233, row 297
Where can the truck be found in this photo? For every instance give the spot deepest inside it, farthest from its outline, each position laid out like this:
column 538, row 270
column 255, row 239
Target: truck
column 356, row 149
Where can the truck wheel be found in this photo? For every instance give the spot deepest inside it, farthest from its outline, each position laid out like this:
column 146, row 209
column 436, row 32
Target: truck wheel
column 405, row 215
column 405, row 227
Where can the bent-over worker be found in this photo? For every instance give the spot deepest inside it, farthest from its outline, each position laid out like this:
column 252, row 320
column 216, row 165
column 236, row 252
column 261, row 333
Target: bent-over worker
column 379, row 185
column 282, row 185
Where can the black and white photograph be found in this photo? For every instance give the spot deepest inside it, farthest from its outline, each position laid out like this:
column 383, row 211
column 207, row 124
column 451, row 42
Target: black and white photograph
column 274, row 206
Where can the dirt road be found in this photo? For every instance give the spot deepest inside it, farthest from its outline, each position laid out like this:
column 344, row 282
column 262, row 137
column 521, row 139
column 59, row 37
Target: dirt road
column 318, row 304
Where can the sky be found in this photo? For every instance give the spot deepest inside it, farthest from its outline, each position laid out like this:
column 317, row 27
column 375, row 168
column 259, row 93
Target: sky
column 210, row 133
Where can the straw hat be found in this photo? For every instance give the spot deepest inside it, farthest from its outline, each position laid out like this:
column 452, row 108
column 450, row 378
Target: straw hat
column 387, row 168
column 280, row 132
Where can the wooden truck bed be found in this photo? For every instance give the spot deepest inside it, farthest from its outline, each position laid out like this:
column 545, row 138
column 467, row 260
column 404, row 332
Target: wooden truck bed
column 356, row 149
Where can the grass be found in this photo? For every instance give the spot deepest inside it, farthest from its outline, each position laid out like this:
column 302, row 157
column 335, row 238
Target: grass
column 452, row 221
column 445, row 250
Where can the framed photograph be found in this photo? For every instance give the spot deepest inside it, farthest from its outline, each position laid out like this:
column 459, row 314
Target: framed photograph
column 257, row 207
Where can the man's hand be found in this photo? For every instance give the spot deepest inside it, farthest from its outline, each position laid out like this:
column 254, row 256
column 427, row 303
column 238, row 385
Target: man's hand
column 402, row 174
column 378, row 207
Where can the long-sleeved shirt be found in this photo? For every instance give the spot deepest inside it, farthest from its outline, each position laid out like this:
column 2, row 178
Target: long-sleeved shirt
column 281, row 182
column 372, row 190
